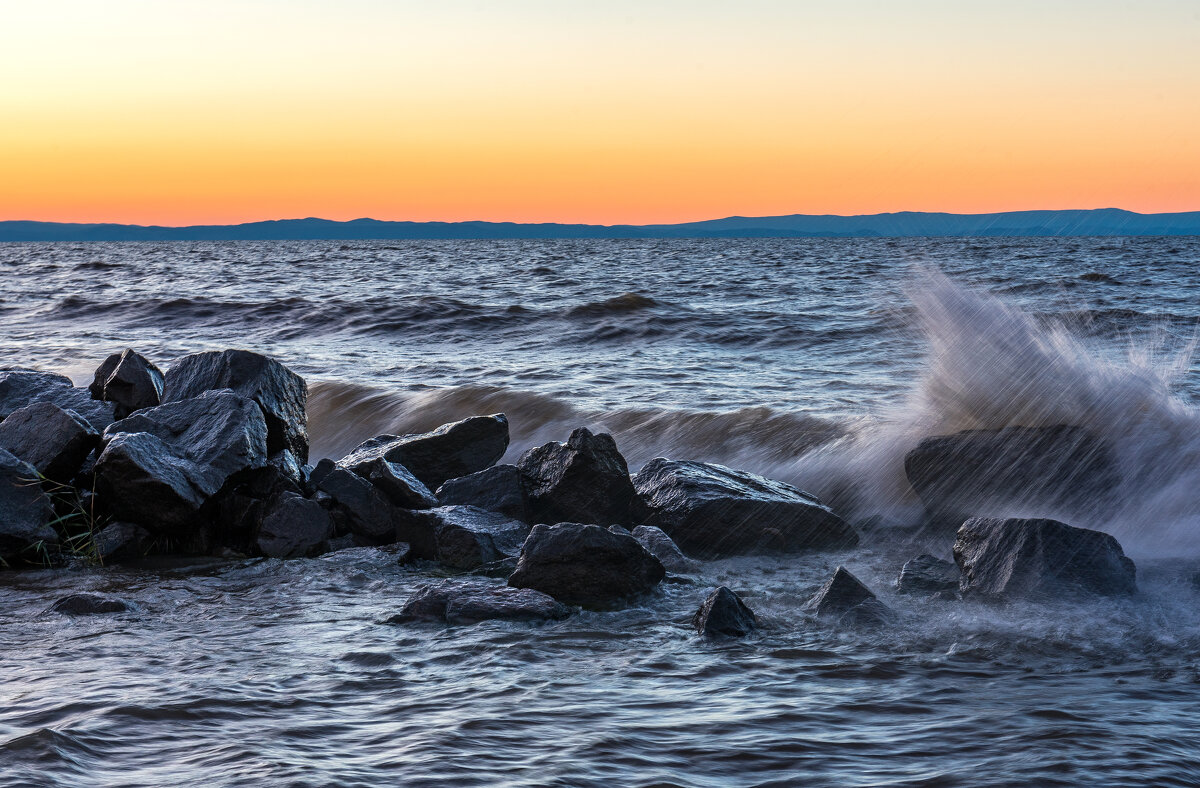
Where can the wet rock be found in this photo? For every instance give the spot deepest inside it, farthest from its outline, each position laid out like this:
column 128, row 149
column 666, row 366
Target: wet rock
column 470, row 603
column 724, row 614
column 584, row 480
column 294, row 527
column 367, row 513
column 281, row 393
column 452, row 450
column 868, row 614
column 161, row 465
column 662, row 547
column 840, row 593
column 927, row 574
column 289, row 468
column 463, row 537
column 1019, row 557
column 121, row 541
column 392, row 479
column 710, row 510
column 129, row 381
column 988, row 471
column 586, row 565
column 54, row 441
column 497, row 489
column 25, row 512
column 319, row 472
column 21, row 387
column 88, row 605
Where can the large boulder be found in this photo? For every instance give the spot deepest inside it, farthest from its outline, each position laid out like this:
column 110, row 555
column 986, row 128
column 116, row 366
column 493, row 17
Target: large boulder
column 500, row 488
column 129, row 381
column 281, row 393
column 582, row 564
column 585, row 480
column 471, row 602
column 161, row 465
column 392, row 479
column 21, row 387
column 462, row 537
column 710, row 510
column 927, row 574
column 662, row 547
column 724, row 614
column 365, row 511
column 452, row 450
column 25, row 512
column 54, row 441
column 995, row 472
column 294, row 527
column 1015, row 557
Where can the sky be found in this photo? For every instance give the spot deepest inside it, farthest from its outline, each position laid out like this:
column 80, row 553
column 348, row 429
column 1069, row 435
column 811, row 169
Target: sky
column 609, row 112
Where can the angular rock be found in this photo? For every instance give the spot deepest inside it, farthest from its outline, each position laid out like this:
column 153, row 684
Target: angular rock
column 54, row 441
column 161, row 465
column 367, row 513
column 840, row 593
column 587, row 565
column 1016, row 557
column 463, row 537
column 584, row 480
column 129, row 381
column 662, row 547
column 294, row 527
column 989, row 472
column 120, row 541
column 470, row 603
column 281, row 393
column 724, row 614
column 452, row 450
column 392, row 479
column 21, row 387
column 927, row 574
column 710, row 510
column 25, row 512
column 868, row 614
column 88, row 605
column 497, row 489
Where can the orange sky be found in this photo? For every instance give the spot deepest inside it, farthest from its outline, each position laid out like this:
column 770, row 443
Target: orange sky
column 657, row 111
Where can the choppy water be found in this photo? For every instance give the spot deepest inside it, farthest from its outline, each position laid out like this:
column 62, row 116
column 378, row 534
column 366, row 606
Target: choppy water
column 818, row 361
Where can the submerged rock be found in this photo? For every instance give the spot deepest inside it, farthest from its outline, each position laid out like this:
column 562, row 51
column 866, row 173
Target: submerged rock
column 1018, row 557
column 584, row 480
column 25, row 512
column 986, row 471
column 927, row 574
column 868, row 614
column 129, row 381
column 280, row 393
column 88, row 605
column 294, row 527
column 839, row 594
column 452, row 450
column 586, row 565
column 54, row 441
column 662, row 547
column 497, row 489
column 724, row 614
column 469, row 603
column 21, row 387
column 710, row 510
column 463, row 537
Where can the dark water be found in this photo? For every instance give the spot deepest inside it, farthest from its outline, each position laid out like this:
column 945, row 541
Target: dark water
column 817, row 361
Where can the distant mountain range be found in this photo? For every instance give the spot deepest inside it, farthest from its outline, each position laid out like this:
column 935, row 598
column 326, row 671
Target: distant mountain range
column 1105, row 221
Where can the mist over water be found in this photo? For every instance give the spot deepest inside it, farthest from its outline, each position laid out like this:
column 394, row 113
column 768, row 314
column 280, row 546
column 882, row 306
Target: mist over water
column 821, row 362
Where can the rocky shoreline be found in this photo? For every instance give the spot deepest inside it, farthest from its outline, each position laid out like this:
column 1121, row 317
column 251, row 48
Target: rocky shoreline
column 211, row 458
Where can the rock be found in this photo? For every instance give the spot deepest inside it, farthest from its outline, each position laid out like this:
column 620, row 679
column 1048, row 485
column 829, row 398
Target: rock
column 1015, row 557
column 21, row 387
column 584, row 480
column 367, row 513
column 452, row 450
column 662, row 547
column 497, row 489
column 129, row 381
column 992, row 471
column 585, row 565
column 470, row 603
column 463, row 537
column 724, row 614
column 710, row 510
column 120, row 541
column 281, row 393
column 927, row 574
column 54, row 441
column 161, row 465
column 88, row 605
column 868, row 614
column 290, row 468
column 294, row 527
column 319, row 472
column 25, row 512
column 392, row 479
column 840, row 593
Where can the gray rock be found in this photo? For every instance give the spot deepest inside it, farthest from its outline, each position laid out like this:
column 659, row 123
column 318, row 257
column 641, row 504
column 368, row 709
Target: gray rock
column 161, row 465
column 1016, row 558
column 367, row 513
column 294, row 527
column 129, row 381
column 465, row 537
column 662, row 547
column 394, row 480
column 710, row 510
column 25, row 512
column 927, row 574
column 724, row 614
column 120, row 541
column 840, row 593
column 88, row 605
column 868, row 614
column 584, row 480
column 470, row 603
column 497, row 489
column 281, row 393
column 587, row 565
column 54, row 441
column 21, row 387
